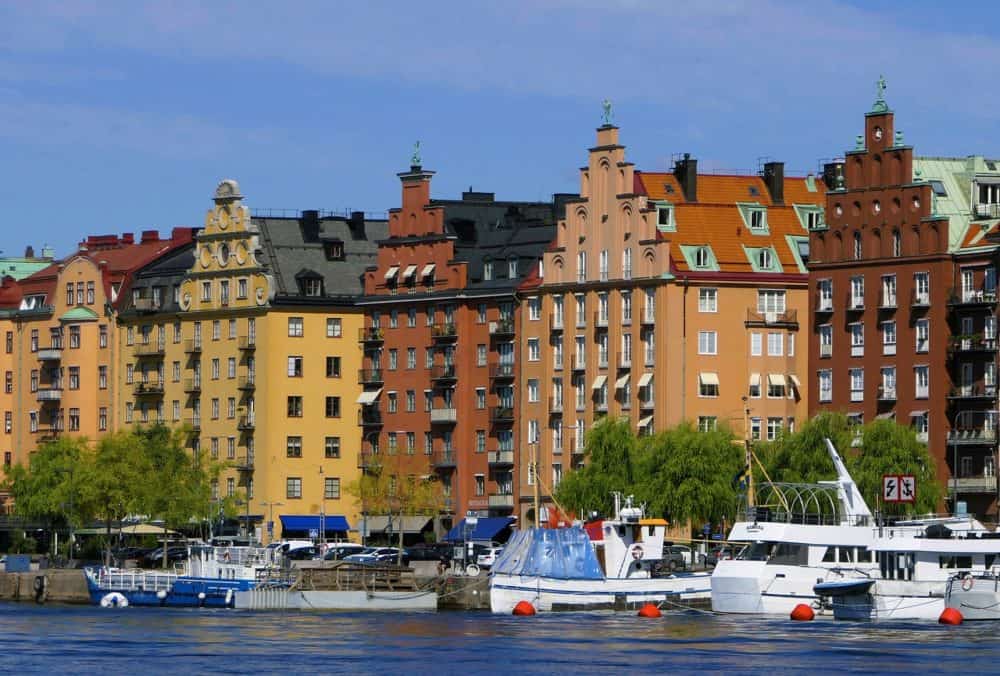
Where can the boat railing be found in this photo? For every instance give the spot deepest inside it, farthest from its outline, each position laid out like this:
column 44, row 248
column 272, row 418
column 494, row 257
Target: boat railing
column 145, row 580
column 769, row 514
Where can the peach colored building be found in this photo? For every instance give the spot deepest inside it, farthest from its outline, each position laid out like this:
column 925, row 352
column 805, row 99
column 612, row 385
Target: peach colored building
column 665, row 297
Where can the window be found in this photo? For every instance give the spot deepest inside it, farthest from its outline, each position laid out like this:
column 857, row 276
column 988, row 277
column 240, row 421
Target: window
column 69, row 293
column 294, row 406
column 231, row 407
column 581, row 266
column 480, row 398
column 333, row 367
column 534, row 308
column 293, row 488
column 9, row 342
column 857, row 292
column 294, row 367
column 626, row 307
column 102, row 419
column 888, row 291
column 922, row 331
column 333, row 407
column 411, row 358
column 8, row 382
column 887, row 390
column 708, row 300
column 857, row 377
column 241, row 288
column 627, row 263
column 708, row 385
column 481, row 355
column 602, row 266
column 293, row 446
column 393, row 358
column 774, row 426
column 921, row 288
column 758, row 219
column 857, row 339
column 480, row 485
column 775, row 386
column 581, row 310
column 770, row 300
column 754, row 389
column 764, row 259
column 707, row 423
column 331, row 488
column 215, row 408
column 74, row 337
column 826, row 385
column 921, row 375
column 897, row 244
column 215, row 368
column 775, row 344
column 755, row 429
column 295, row 327
column 512, row 267
column 889, row 338
column 707, row 342
column 74, row 377
column 411, row 401
column 230, row 368
column 206, row 292
column 487, row 270
column 825, row 289
column 533, row 390
column 664, row 217
column 74, row 416
column 411, row 317
column 534, row 350
column 331, row 447
column 857, row 246
column 701, row 257
column 756, row 343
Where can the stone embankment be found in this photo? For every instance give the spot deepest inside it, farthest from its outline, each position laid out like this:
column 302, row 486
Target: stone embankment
column 51, row 585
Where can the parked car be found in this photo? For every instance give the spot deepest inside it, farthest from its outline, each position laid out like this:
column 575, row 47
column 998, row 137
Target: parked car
column 431, row 551
column 340, row 550
column 303, row 553
column 374, row 555
column 175, row 553
column 488, row 557
column 674, row 557
column 719, row 553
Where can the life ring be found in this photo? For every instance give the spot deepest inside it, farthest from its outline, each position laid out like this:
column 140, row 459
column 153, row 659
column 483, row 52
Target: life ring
column 637, row 552
column 967, row 582
column 114, row 600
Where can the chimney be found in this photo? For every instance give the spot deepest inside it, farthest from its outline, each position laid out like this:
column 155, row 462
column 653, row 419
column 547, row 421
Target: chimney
column 686, row 172
column 128, row 238
column 357, row 222
column 774, row 179
column 833, row 174
column 149, row 236
column 29, row 251
column 309, row 223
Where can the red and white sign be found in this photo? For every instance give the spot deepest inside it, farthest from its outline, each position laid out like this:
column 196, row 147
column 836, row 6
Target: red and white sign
column 899, row 488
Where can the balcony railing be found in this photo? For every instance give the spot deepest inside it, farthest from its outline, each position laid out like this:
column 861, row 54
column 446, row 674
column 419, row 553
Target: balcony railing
column 502, row 457
column 986, row 211
column 194, row 423
column 50, row 353
column 973, row 392
column 53, row 393
column 248, row 343
column 556, row 323
column 973, row 484
column 441, row 372
column 244, row 463
column 855, row 302
column 153, row 387
column 192, row 346
column 972, row 297
column 370, row 416
column 503, row 328
column 246, row 423
column 503, row 371
column 192, row 385
column 371, row 334
column 501, row 501
column 370, row 376
column 502, row 414
column 648, row 317
column 920, row 299
column 825, row 350
column 247, row 383
column 555, row 405
column 624, row 360
column 155, row 349
column 824, row 303
column 787, row 319
column 444, row 459
column 973, row 427
column 444, row 332
column 886, row 393
column 601, row 319
column 444, row 416
column 972, row 343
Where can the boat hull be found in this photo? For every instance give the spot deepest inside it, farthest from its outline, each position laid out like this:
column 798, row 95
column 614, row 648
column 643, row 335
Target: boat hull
column 893, row 600
column 557, row 594
column 757, row 588
column 166, row 590
column 286, row 599
column 981, row 601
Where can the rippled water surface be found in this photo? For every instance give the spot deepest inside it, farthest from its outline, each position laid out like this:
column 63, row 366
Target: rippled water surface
column 73, row 640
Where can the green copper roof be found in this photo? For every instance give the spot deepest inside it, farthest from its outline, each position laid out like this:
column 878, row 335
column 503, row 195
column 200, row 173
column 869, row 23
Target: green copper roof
column 79, row 314
column 957, row 176
column 19, row 268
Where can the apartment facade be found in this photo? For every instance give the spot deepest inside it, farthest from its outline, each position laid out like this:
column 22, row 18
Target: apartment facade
column 665, row 297
column 903, row 301
column 440, row 351
column 244, row 338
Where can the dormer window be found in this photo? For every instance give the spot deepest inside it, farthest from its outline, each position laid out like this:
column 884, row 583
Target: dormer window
column 313, row 287
column 487, row 270
column 512, row 267
column 701, row 257
column 764, row 259
column 334, row 250
column 665, row 217
column 938, row 188
column 758, row 219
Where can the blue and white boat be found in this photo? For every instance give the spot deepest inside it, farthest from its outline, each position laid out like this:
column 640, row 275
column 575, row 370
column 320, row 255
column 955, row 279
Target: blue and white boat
column 209, row 578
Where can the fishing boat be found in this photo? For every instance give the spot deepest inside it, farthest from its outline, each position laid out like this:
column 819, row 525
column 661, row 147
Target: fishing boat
column 604, row 564
column 209, row 578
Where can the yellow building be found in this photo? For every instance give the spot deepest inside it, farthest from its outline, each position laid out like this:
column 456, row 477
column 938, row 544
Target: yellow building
column 248, row 337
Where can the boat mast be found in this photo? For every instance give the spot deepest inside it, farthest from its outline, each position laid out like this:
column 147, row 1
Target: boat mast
column 748, row 454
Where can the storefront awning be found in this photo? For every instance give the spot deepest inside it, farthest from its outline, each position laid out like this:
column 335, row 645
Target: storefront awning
column 409, row 271
column 303, row 523
column 391, row 272
column 708, row 378
column 599, row 382
column 486, row 529
column 795, row 381
column 369, row 396
column 754, row 380
column 645, row 422
column 622, row 382
column 775, row 379
column 645, row 379
column 428, row 270
column 381, row 523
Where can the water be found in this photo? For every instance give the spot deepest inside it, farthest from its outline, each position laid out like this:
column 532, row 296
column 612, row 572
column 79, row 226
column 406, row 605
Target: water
column 85, row 640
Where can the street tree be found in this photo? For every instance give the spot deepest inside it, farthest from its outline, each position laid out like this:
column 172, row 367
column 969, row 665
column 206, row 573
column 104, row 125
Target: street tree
column 890, row 448
column 801, row 456
column 118, row 481
column 609, row 452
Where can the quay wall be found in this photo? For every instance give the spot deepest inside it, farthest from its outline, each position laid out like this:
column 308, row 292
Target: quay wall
column 45, row 586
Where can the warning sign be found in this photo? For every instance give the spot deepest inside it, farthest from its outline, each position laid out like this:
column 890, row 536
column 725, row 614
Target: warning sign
column 899, row 488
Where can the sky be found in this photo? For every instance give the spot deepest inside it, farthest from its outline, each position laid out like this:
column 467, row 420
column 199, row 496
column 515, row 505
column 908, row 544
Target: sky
column 123, row 116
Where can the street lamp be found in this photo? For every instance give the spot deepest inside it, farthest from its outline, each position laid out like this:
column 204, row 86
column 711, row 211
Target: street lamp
column 270, row 522
column 322, row 513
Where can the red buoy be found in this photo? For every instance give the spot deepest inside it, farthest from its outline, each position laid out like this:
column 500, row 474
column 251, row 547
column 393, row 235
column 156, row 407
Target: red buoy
column 650, row 610
column 524, row 608
column 950, row 616
column 803, row 613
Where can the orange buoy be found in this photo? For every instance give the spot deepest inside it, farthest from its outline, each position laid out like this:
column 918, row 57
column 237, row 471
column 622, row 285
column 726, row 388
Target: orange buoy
column 802, row 613
column 650, row 610
column 950, row 616
column 524, row 608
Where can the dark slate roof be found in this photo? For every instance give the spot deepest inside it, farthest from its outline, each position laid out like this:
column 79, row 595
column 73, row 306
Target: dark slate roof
column 486, row 229
column 291, row 246
column 167, row 272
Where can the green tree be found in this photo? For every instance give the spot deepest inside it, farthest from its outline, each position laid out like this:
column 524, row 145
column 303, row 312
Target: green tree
column 801, row 456
column 687, row 475
column 117, row 481
column 890, row 448
column 609, row 450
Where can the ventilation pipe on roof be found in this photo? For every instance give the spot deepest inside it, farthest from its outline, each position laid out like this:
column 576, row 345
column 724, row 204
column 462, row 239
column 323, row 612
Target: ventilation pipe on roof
column 29, row 251
column 686, row 172
column 774, row 179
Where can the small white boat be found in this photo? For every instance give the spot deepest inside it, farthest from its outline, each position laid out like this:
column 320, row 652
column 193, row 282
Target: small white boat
column 606, row 564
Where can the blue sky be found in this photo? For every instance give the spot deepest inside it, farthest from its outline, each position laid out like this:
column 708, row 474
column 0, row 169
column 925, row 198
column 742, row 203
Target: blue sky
column 122, row 116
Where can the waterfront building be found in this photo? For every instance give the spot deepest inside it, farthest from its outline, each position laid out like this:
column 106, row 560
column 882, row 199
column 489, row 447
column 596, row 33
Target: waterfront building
column 61, row 340
column 666, row 297
column 246, row 339
column 903, row 301
column 441, row 361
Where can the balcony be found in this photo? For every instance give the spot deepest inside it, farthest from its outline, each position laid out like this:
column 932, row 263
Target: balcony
column 503, row 458
column 501, row 371
column 502, row 414
column 556, row 323
column 887, row 301
column 973, row 392
column 973, row 428
column 50, row 353
column 371, row 334
column 646, row 404
column 157, row 349
column 825, row 350
column 973, row 484
column 502, row 329
column 972, row 297
column 444, row 460
column 244, row 463
column 857, row 395
column 194, row 423
column 824, row 304
column 444, row 373
column 151, row 388
column 192, row 346
column 601, row 320
column 624, row 361
column 986, row 211
column 247, row 383
column 247, row 343
column 886, row 393
column 920, row 299
column 444, row 416
column 368, row 458
column 648, row 318
column 972, row 343
column 147, row 305
column 246, row 423
column 443, row 333
column 855, row 303
column 370, row 377
column 53, row 393
column 579, row 363
column 192, row 385
column 787, row 320
column 555, row 405
column 501, row 501
column 370, row 416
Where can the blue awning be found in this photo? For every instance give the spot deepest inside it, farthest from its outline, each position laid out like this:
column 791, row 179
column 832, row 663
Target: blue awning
column 486, row 529
column 303, row 523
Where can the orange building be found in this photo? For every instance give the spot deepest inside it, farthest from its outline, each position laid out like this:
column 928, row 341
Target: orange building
column 665, row 297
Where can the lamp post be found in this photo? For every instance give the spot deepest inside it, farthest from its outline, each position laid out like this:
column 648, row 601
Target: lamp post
column 322, row 513
column 270, row 522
